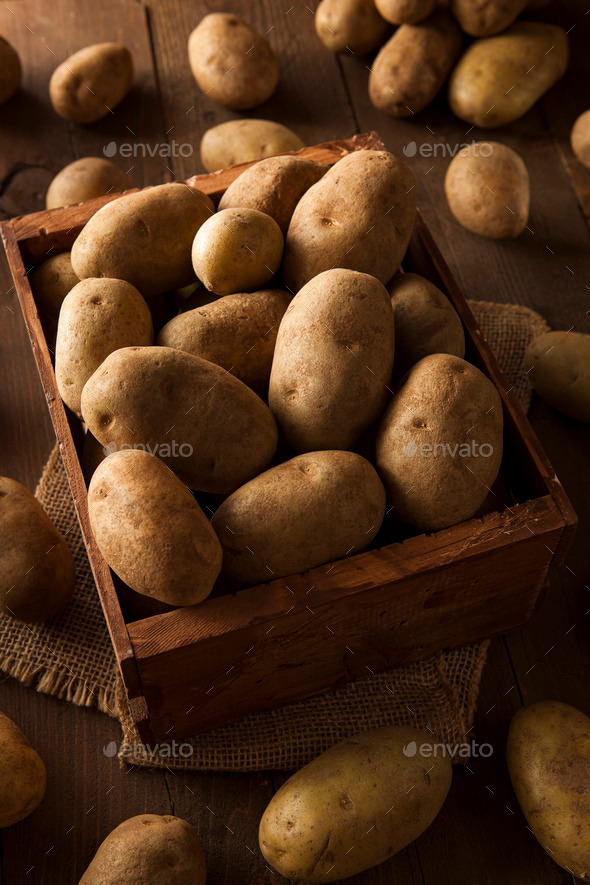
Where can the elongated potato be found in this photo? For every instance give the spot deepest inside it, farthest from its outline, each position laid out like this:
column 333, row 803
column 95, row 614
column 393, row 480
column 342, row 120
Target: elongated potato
column 327, row 503
column 324, row 233
column 558, row 366
column 548, row 755
column 10, row 70
column 352, row 26
column 151, row 530
column 356, row 805
column 144, row 238
column 498, row 79
column 84, row 179
column 332, row 362
column 22, row 775
column 405, row 12
column 211, row 429
column 414, row 64
column 90, row 83
column 483, row 18
column 241, row 141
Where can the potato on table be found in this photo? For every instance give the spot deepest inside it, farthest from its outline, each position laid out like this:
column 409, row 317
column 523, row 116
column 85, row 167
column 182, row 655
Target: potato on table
column 10, row 70
column 22, row 775
column 84, row 179
column 352, row 26
column 405, row 12
column 51, row 282
column 241, row 141
column 91, row 83
column 558, row 366
column 483, row 18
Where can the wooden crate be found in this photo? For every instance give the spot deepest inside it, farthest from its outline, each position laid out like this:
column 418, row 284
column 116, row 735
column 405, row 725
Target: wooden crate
column 193, row 669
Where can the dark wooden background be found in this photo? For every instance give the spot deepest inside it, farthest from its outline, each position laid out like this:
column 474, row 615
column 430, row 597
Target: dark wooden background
column 480, row 837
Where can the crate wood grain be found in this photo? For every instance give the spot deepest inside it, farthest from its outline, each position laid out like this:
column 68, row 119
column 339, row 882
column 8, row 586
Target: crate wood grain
column 197, row 668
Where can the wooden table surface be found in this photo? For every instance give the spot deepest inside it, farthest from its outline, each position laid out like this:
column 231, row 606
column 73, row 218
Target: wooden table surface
column 480, row 837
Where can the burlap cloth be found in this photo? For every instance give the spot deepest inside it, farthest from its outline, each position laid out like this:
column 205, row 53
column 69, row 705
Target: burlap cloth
column 71, row 657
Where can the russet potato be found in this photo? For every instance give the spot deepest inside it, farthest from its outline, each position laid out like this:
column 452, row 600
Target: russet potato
column 91, row 83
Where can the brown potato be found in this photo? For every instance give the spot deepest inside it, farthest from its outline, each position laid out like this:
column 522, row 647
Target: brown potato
column 273, row 186
column 91, row 83
column 37, row 574
column 414, row 64
column 488, row 191
column 352, row 26
column 22, row 775
column 10, row 70
column 237, row 332
column 483, row 18
column 232, row 63
column 558, row 366
column 580, row 138
column 241, row 141
column 371, row 237
column 51, row 282
column 84, row 179
column 405, row 12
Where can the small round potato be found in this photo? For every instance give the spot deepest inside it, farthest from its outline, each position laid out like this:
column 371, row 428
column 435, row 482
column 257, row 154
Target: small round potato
column 241, row 141
column 486, row 17
column 149, row 849
column 237, row 250
column 237, row 332
column 580, row 138
column 273, row 186
column 161, row 544
column 84, row 179
column 51, row 282
column 97, row 317
column 558, row 366
column 37, row 574
column 232, row 63
column 22, row 775
column 312, row 509
column 405, row 12
column 425, row 321
column 90, row 84
column 488, row 190
column 10, row 70
column 350, row 26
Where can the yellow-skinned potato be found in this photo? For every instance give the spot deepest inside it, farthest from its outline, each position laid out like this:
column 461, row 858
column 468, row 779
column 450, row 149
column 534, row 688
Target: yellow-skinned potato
column 580, row 138
column 232, row 63
column 212, row 430
column 548, row 755
column 241, row 141
column 425, row 321
column 161, row 544
column 237, row 250
column 237, row 332
column 350, row 26
column 372, row 238
column 558, row 366
column 439, row 443
column 51, row 282
column 37, row 573
column 273, row 186
column 91, row 83
column 405, row 12
column 97, row 317
column 488, row 190
column 356, row 805
column 325, row 502
column 483, row 18
column 10, row 70
column 414, row 64
column 22, row 775
column 332, row 362
column 498, row 79
column 84, row 179
column 144, row 238
column 150, row 849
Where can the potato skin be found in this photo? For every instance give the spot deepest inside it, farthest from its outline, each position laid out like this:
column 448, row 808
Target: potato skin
column 97, row 317
column 151, row 530
column 480, row 87
column 439, row 401
column 91, row 82
column 372, row 239
column 488, row 190
column 144, row 238
column 350, row 26
column 237, row 332
column 332, row 362
column 241, row 141
column 84, row 179
column 558, row 367
column 350, row 796
column 325, row 502
column 273, row 186
column 425, row 321
column 580, row 138
column 22, row 775
column 140, row 394
column 414, row 64
column 149, row 849
column 405, row 12
column 232, row 63
column 548, row 755
column 51, row 282
column 37, row 574
column 483, row 18
column 10, row 70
